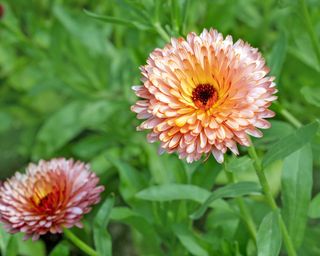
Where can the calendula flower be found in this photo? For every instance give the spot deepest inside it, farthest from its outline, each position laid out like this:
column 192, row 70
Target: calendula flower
column 204, row 95
column 50, row 196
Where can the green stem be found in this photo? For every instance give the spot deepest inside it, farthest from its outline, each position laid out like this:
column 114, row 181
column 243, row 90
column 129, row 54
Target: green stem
column 267, row 191
column 245, row 213
column 79, row 243
column 287, row 115
column 165, row 36
column 310, row 29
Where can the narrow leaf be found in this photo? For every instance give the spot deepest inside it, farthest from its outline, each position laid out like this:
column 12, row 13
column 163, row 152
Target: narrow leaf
column 312, row 95
column 5, row 239
column 61, row 249
column 118, row 21
column 314, row 209
column 142, row 225
column 29, row 247
column 102, row 217
column 168, row 192
column 269, row 237
column 291, row 143
column 69, row 121
column 102, row 239
column 278, row 55
column 130, row 179
column 232, row 190
column 189, row 241
column 296, row 192
column 12, row 247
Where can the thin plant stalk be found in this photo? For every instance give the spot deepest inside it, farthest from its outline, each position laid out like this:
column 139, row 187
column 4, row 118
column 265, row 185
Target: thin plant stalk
column 164, row 35
column 79, row 243
column 245, row 213
column 288, row 116
column 267, row 191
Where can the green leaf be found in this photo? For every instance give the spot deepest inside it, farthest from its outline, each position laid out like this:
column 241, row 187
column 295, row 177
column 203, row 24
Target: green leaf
column 12, row 247
column 29, row 247
column 83, row 31
column 278, row 55
column 269, row 237
column 120, row 213
column 312, row 95
column 168, row 192
column 232, row 190
column 304, row 49
column 142, row 225
column 159, row 166
column 102, row 239
column 240, row 164
column 279, row 130
column 311, row 245
column 5, row 240
column 131, row 180
column 291, row 143
column 61, row 249
column 314, row 208
column 189, row 241
column 296, row 192
column 102, row 217
column 69, row 121
column 118, row 21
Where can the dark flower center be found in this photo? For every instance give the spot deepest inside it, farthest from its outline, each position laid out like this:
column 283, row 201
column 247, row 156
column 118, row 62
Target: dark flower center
column 47, row 201
column 204, row 96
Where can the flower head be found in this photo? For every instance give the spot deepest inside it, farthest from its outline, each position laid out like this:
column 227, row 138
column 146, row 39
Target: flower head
column 204, row 95
column 48, row 197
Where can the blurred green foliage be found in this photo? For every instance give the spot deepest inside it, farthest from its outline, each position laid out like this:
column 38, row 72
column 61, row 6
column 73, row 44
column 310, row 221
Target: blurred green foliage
column 65, row 81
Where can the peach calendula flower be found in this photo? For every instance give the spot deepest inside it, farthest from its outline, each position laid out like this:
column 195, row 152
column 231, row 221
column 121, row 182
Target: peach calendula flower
column 204, row 95
column 50, row 196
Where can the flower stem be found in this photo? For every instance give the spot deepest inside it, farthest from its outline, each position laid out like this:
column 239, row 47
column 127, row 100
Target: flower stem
column 79, row 243
column 245, row 213
column 164, row 35
column 294, row 121
column 266, row 189
column 287, row 115
column 310, row 29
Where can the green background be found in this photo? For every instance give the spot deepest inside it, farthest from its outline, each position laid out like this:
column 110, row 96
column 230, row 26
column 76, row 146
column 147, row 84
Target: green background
column 65, row 90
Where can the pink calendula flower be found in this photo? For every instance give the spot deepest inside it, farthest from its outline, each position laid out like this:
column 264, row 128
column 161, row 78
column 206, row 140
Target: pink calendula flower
column 50, row 196
column 204, row 95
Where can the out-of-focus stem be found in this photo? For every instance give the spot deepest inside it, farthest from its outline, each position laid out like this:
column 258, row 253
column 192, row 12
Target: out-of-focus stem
column 294, row 121
column 267, row 191
column 161, row 32
column 287, row 115
column 245, row 213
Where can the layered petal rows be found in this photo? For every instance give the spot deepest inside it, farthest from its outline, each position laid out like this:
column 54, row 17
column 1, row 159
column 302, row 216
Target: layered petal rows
column 204, row 95
column 50, row 196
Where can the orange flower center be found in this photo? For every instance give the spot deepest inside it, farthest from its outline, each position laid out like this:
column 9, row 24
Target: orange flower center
column 47, row 197
column 204, row 96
